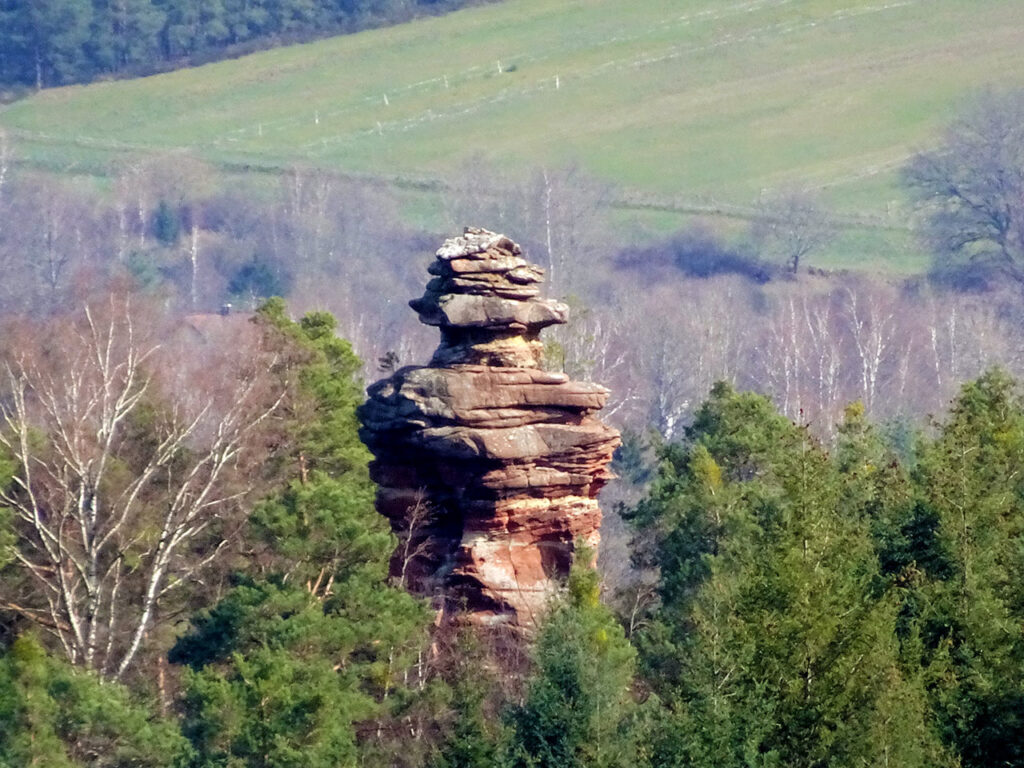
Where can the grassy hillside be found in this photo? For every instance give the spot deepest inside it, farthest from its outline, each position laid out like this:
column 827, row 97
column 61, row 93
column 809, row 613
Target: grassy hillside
column 683, row 100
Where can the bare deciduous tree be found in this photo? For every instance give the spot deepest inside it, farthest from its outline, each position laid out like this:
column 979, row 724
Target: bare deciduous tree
column 6, row 158
column 119, row 495
column 872, row 324
column 970, row 189
column 685, row 337
column 591, row 347
column 558, row 215
column 792, row 223
column 414, row 538
column 801, row 358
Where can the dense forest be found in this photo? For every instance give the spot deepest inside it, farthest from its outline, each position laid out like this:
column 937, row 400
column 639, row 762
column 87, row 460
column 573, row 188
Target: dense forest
column 193, row 574
column 76, row 41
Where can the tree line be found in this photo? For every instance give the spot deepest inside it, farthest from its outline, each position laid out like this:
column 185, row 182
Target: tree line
column 57, row 42
column 645, row 322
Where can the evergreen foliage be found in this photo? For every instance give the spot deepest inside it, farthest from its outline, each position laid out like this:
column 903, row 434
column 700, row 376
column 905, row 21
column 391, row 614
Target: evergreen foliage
column 315, row 641
column 55, row 716
column 55, row 42
column 259, row 278
column 579, row 711
column 321, row 524
column 166, row 224
column 279, row 678
column 969, row 482
column 473, row 736
column 775, row 643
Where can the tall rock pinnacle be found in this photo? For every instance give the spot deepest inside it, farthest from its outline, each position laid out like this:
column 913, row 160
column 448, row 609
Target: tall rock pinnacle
column 487, row 467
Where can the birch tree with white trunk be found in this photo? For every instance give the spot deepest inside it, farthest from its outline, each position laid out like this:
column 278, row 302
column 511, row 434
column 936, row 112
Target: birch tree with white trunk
column 120, row 493
column 872, row 325
column 801, row 360
column 6, row 159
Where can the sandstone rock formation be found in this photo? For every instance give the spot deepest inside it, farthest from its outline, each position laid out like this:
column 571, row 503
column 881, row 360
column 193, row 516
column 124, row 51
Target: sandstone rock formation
column 487, row 466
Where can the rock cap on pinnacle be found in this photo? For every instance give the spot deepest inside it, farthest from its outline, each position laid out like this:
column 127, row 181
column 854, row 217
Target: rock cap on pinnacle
column 486, row 301
column 473, row 241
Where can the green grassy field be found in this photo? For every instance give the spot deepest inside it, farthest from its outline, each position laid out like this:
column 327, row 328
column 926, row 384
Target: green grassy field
column 702, row 100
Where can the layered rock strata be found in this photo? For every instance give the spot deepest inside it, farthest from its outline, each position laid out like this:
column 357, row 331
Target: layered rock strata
column 487, row 466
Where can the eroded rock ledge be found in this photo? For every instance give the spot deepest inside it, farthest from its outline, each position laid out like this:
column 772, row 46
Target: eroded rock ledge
column 487, row 466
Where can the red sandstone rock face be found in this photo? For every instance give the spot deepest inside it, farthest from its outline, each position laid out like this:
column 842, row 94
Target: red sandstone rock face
column 487, row 466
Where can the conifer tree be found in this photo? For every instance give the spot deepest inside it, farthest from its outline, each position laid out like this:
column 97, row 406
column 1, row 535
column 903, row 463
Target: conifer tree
column 781, row 650
column 471, row 733
column 579, row 711
column 969, row 480
column 55, row 716
column 58, row 31
column 314, row 644
column 321, row 525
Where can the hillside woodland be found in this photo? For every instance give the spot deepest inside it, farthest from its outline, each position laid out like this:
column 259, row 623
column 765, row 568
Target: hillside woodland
column 77, row 41
column 194, row 574
column 811, row 557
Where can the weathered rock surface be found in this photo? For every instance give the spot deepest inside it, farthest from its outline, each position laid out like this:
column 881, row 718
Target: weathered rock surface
column 487, row 466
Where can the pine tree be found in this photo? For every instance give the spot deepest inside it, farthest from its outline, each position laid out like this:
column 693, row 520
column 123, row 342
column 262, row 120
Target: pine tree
column 279, row 678
column 314, row 644
column 579, row 711
column 471, row 735
column 969, row 481
column 58, row 33
column 125, row 34
column 55, row 716
column 321, row 525
column 783, row 650
column 166, row 224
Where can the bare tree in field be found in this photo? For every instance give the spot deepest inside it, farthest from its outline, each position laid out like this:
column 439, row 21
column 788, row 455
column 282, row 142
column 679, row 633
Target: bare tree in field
column 120, row 493
column 970, row 189
column 791, row 224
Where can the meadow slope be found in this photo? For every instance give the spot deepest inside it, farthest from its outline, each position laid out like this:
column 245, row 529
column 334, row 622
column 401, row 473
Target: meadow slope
column 709, row 100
